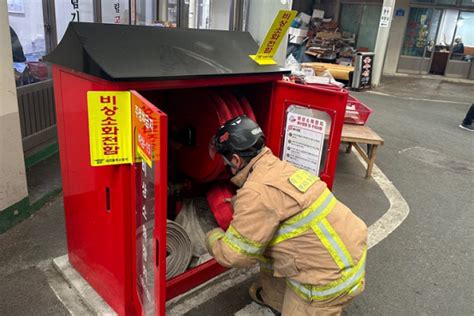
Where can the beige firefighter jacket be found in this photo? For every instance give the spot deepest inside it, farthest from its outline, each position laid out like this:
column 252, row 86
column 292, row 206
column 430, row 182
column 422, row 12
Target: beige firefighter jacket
column 267, row 198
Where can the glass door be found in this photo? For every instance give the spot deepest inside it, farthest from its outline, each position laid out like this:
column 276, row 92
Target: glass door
column 115, row 11
column 306, row 126
column 462, row 47
column 150, row 127
column 369, row 26
column 362, row 21
column 419, row 43
column 27, row 32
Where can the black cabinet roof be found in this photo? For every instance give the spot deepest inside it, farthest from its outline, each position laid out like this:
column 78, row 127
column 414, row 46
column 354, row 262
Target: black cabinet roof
column 129, row 52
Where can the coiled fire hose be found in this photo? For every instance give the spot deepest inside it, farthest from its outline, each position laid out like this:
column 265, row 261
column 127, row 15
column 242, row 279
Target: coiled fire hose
column 178, row 249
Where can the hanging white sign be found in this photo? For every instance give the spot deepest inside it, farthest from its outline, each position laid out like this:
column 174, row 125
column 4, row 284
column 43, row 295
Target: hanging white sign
column 385, row 16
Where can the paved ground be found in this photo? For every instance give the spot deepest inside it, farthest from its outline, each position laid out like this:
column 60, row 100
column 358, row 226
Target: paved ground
column 423, row 268
column 25, row 262
column 438, row 89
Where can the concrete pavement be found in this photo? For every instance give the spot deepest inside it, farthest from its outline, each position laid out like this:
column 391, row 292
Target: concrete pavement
column 423, row 268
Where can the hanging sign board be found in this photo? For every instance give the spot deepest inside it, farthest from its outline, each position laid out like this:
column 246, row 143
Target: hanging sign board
column 110, row 138
column 275, row 35
column 304, row 141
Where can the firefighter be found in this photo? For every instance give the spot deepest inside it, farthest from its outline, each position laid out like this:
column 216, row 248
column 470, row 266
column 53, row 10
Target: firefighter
column 311, row 248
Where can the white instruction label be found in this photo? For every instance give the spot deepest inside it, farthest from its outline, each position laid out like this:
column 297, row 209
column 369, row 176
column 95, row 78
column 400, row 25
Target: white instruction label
column 304, row 141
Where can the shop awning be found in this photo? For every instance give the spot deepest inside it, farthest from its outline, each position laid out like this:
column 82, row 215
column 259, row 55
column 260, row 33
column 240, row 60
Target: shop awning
column 129, row 52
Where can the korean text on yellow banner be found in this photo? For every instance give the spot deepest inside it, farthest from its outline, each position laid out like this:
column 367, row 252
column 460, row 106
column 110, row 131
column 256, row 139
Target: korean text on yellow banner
column 110, row 121
column 275, row 35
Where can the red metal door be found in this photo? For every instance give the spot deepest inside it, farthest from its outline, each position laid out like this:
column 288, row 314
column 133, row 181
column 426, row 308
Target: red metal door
column 305, row 126
column 150, row 127
column 96, row 199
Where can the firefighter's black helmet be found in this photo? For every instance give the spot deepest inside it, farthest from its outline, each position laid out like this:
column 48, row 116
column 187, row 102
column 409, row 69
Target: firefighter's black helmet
column 241, row 136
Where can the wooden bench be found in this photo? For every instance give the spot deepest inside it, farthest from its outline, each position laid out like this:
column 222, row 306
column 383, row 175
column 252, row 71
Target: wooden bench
column 354, row 135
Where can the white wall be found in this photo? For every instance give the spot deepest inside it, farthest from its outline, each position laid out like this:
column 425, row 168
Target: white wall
column 29, row 26
column 12, row 166
column 64, row 10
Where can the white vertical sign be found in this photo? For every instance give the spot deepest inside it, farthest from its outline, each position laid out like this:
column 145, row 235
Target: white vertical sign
column 385, row 16
column 71, row 11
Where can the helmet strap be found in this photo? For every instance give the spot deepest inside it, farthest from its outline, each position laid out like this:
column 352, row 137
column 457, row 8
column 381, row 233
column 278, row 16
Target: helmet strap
column 229, row 163
column 232, row 165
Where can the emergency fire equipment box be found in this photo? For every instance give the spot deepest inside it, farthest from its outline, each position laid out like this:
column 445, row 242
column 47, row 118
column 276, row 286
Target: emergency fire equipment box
column 182, row 85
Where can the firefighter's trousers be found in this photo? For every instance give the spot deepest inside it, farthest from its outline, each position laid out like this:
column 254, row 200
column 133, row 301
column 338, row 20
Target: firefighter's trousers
column 282, row 298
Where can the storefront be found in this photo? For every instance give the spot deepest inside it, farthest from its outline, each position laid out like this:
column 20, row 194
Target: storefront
column 438, row 39
column 425, row 37
column 37, row 26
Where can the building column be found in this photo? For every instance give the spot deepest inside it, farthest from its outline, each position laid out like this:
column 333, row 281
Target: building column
column 397, row 36
column 13, row 189
column 381, row 43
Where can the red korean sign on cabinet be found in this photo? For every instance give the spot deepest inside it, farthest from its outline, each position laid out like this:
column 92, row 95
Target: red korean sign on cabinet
column 145, row 120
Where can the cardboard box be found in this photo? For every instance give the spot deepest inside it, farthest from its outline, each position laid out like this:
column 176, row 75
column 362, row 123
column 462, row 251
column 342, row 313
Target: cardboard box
column 305, row 18
column 318, row 14
column 298, row 32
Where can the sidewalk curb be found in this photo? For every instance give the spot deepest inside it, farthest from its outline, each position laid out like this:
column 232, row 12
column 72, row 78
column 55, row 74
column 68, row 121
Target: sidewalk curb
column 88, row 295
column 176, row 306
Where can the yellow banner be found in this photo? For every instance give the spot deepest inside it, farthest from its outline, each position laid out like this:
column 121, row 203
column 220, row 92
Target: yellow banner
column 140, row 155
column 275, row 35
column 110, row 125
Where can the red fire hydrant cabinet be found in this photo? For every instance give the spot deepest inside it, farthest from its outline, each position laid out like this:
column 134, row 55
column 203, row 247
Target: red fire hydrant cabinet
column 166, row 69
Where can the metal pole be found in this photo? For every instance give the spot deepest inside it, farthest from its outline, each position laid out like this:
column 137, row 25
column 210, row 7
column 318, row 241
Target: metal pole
column 162, row 11
column 97, row 4
column 236, row 15
column 49, row 20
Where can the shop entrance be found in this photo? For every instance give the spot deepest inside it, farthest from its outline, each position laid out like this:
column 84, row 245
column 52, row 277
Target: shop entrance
column 437, row 42
column 419, row 44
